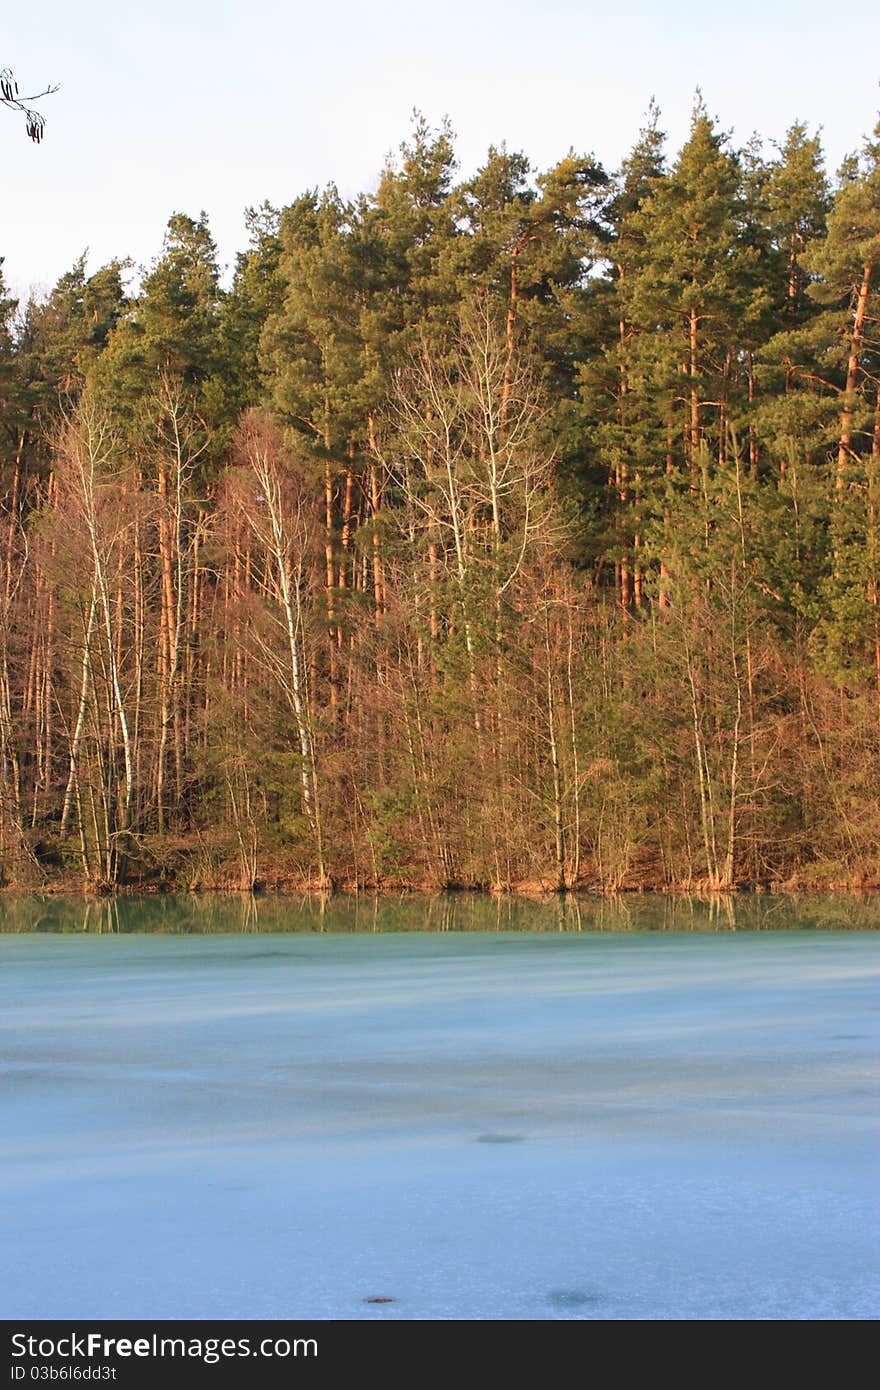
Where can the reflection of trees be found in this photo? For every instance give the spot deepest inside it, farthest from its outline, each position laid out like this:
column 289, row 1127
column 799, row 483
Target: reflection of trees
column 101, row 915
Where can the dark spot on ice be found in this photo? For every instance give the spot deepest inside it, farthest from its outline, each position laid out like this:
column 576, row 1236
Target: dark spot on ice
column 500, row 1138
column 846, row 1037
column 379, row 1299
column 573, row 1298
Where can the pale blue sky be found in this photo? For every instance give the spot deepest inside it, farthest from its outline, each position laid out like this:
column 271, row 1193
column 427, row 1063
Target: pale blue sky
column 189, row 105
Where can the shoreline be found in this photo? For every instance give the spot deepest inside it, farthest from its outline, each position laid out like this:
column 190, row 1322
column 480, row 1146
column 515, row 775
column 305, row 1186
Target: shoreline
column 526, row 892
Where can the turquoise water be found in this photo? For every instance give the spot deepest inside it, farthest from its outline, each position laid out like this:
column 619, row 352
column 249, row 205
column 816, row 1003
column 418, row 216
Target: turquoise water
column 207, row 1120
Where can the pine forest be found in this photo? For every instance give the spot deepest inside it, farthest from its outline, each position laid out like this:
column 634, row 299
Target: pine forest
column 519, row 532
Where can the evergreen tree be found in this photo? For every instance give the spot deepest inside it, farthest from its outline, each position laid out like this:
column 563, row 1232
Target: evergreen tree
column 847, row 270
column 8, row 364
column 172, row 328
column 794, row 203
column 64, row 334
column 257, row 293
column 417, row 223
column 617, row 416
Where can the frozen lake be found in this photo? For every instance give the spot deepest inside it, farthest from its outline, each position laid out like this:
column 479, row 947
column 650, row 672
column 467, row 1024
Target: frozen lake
column 500, row 1124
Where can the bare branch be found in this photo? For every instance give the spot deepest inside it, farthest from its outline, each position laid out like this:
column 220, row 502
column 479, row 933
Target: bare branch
column 35, row 122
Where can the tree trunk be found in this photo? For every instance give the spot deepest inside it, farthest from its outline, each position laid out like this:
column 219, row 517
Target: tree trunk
column 852, row 374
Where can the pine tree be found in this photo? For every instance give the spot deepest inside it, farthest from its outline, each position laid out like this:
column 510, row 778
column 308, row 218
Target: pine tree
column 10, row 393
column 256, row 293
column 172, row 328
column 616, row 415
column 847, row 270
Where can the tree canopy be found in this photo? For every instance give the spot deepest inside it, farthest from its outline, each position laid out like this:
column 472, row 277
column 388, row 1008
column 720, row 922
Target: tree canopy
column 515, row 528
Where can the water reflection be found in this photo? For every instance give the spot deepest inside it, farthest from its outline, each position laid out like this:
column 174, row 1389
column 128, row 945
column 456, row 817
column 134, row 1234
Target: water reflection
column 447, row 912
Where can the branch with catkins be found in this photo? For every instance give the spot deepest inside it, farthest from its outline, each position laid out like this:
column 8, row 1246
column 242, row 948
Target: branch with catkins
column 35, row 122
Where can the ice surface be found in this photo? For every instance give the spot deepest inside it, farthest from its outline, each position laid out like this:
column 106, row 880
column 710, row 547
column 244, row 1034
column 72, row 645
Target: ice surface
column 479, row 1126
